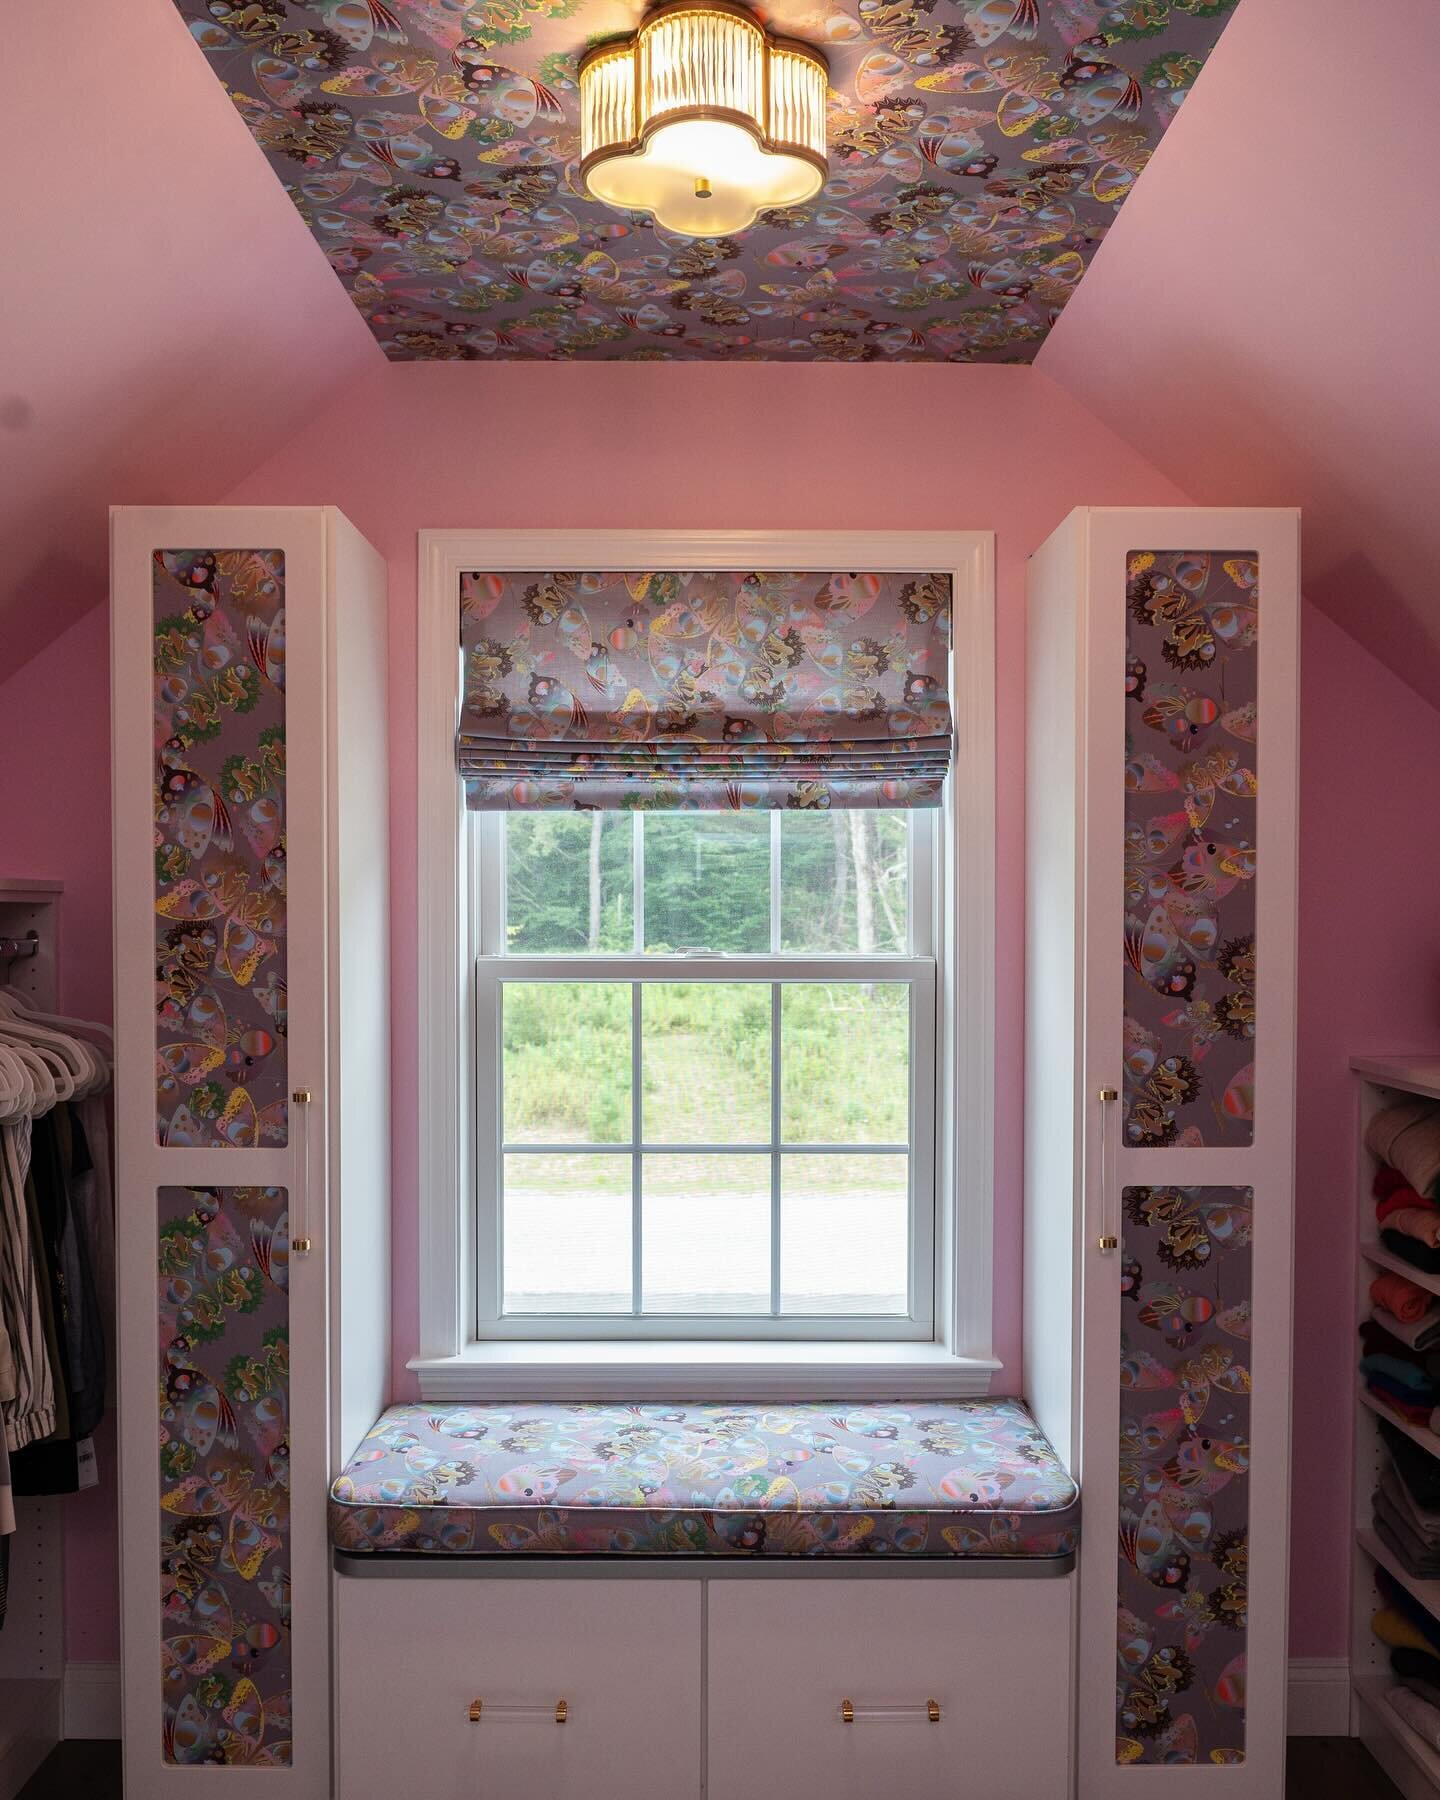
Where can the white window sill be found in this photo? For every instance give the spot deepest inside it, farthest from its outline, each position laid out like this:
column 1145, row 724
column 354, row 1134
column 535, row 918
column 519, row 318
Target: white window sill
column 700, row 1369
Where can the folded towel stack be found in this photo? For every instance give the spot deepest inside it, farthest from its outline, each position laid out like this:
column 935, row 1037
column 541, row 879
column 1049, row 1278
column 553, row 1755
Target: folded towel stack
column 1410, row 1635
column 1418, row 1713
column 1407, row 1210
column 1407, row 1138
column 1408, row 1524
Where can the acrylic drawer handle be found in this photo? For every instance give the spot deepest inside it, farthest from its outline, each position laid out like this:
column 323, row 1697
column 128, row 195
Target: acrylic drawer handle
column 301, row 1241
column 1109, row 1223
column 517, row 1710
column 851, row 1714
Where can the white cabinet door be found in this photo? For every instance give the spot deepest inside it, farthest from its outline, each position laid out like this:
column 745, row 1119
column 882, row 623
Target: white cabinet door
column 412, row 1656
column 785, row 1655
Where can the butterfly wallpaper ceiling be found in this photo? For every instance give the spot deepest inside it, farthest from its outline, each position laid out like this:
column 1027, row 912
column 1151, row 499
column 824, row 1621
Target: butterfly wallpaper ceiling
column 979, row 150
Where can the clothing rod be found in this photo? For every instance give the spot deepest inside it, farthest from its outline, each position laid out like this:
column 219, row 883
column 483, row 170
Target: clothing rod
column 13, row 949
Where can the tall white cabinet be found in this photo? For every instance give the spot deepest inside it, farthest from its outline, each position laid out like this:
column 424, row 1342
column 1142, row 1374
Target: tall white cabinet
column 251, row 907
column 1161, row 928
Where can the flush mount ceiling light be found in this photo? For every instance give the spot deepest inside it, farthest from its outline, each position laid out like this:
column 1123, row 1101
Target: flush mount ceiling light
column 702, row 118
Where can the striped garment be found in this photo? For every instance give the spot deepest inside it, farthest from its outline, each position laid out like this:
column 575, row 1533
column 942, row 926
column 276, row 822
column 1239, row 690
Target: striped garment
column 30, row 1414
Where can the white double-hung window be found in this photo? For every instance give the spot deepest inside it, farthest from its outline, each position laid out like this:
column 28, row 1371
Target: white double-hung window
column 705, row 1094
column 705, row 1073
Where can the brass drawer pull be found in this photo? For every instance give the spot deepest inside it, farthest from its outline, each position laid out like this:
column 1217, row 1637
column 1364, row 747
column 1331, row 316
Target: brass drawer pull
column 518, row 1709
column 923, row 1709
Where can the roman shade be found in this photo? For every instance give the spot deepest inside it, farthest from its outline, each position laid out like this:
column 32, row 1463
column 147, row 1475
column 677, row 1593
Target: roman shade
column 704, row 690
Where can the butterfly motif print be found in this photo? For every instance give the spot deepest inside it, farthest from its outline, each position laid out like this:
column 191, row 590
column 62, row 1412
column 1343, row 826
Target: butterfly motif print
column 223, row 1397
column 220, row 857
column 430, row 147
column 1187, row 1225
column 1191, row 874
column 1184, row 1461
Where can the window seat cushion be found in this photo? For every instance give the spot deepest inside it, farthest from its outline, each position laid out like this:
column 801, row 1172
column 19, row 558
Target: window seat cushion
column 946, row 1479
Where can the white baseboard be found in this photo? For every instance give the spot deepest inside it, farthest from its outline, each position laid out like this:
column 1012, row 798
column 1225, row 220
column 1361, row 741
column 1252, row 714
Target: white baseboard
column 1319, row 1697
column 91, row 1700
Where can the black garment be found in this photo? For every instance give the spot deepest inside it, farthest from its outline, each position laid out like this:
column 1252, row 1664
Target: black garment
column 1411, row 1250
column 60, row 1156
column 1419, row 1472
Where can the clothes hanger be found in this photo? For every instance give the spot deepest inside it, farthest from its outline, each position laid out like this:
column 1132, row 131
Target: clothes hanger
column 80, row 1059
column 89, row 1028
column 53, row 1060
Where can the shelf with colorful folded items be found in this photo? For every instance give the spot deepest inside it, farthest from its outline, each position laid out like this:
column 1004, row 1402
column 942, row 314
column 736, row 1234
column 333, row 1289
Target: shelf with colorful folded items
column 1418, row 1434
column 1406, row 1139
column 1408, row 1378
column 1381, row 1694
column 1389, row 1264
column 1407, row 1218
column 1406, row 1511
column 1411, row 1636
column 1380, row 1553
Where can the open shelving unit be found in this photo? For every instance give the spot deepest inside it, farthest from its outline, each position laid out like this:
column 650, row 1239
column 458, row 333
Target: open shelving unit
column 1410, row 1762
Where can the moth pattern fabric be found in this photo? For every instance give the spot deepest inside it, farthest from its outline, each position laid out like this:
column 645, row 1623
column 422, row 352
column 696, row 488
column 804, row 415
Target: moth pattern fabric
column 979, row 151
column 704, row 689
column 1184, row 1474
column 1191, row 786
column 224, row 1415
column 220, row 918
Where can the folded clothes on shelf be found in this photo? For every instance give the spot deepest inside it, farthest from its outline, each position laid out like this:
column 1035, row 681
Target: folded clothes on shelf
column 1422, row 1520
column 1414, row 1554
column 1404, row 1303
column 1391, row 1189
column 1400, row 1376
column 1417, row 1669
column 1377, row 1338
column 1400, row 1599
column 1398, row 1632
column 1395, row 1400
column 1419, row 1471
column 1411, row 1250
column 1407, row 1137
column 1419, row 1222
column 1417, row 1711
column 1421, row 1335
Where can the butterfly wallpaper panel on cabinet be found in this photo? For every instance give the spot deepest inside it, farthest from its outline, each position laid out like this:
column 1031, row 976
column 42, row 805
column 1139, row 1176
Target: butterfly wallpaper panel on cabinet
column 224, row 1400
column 220, row 918
column 1192, row 783
column 979, row 151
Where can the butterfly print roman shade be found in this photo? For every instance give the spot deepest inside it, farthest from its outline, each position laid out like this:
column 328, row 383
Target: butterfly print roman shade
column 704, row 690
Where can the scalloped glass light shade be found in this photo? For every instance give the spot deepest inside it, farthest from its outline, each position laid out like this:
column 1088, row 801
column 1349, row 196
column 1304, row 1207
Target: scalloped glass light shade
column 703, row 120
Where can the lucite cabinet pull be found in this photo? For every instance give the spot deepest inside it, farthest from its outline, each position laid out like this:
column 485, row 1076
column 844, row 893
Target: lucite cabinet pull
column 518, row 1711
column 851, row 1714
column 301, row 1242
column 1109, row 1200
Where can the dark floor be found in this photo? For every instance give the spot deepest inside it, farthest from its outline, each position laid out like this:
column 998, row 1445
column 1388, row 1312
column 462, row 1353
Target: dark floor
column 1317, row 1769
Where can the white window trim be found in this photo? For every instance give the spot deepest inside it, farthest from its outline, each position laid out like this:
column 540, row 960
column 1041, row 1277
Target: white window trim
column 452, row 1364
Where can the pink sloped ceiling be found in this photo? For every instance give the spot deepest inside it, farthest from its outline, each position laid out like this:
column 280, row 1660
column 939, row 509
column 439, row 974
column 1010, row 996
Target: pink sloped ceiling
column 168, row 320
column 1261, row 319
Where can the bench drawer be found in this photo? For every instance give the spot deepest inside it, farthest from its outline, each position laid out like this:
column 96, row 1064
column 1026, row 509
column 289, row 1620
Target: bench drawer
column 995, row 1655
column 413, row 1654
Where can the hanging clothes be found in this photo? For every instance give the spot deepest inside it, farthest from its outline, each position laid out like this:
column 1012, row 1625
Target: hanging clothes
column 30, row 1412
column 54, row 1325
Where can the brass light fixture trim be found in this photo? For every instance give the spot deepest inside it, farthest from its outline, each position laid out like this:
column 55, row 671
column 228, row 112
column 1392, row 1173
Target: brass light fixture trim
column 703, row 118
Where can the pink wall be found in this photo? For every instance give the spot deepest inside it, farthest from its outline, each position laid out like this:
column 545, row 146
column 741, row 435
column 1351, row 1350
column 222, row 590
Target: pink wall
column 168, row 316
column 55, row 825
column 990, row 448
column 1369, row 983
column 752, row 445
column 1260, row 320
